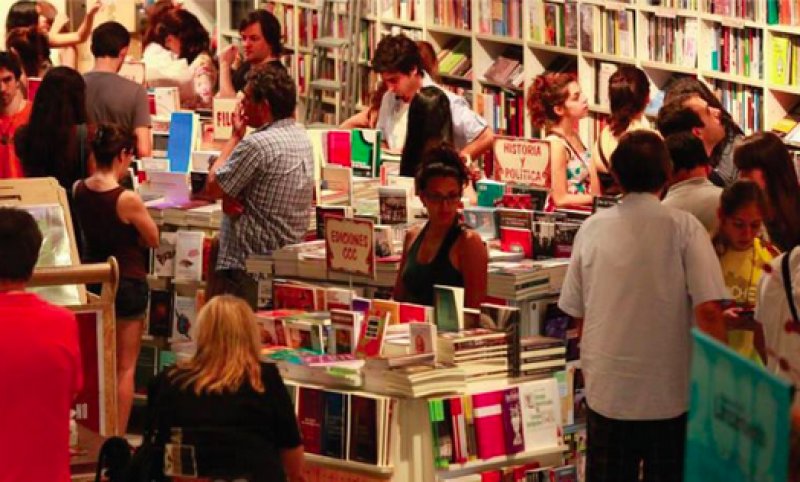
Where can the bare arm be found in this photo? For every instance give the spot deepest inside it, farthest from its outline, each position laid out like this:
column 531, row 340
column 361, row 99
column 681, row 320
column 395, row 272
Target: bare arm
column 479, row 145
column 292, row 461
column 360, row 120
column 558, row 179
column 131, row 209
column 474, row 260
column 226, row 60
column 399, row 292
column 79, row 36
column 710, row 320
column 144, row 141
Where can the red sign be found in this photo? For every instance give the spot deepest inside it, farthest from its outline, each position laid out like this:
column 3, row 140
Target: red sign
column 90, row 404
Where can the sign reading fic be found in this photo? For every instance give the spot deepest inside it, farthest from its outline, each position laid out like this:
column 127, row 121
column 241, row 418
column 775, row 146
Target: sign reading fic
column 348, row 244
column 522, row 161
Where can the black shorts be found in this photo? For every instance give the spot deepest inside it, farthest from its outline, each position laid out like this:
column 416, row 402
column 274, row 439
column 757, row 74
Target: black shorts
column 131, row 300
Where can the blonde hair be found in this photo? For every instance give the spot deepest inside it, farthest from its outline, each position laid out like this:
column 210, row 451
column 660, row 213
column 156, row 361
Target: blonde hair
column 228, row 345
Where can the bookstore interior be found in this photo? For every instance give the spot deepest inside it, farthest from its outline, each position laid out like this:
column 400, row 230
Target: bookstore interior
column 448, row 253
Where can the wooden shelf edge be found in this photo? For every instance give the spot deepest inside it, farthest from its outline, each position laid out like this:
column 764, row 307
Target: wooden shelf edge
column 786, row 89
column 655, row 64
column 499, row 39
column 435, row 28
column 553, row 48
column 736, row 79
column 349, row 465
column 456, row 470
column 609, row 57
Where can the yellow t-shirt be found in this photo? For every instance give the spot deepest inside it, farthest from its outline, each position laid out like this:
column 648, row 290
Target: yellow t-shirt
column 742, row 270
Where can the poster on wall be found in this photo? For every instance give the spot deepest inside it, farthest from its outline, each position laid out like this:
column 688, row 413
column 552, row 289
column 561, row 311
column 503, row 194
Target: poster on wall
column 738, row 418
column 90, row 403
column 522, row 161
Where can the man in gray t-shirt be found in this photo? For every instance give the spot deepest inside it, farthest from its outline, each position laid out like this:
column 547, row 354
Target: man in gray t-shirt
column 114, row 99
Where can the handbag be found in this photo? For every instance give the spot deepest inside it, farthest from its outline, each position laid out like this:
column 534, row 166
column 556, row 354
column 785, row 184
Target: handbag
column 147, row 462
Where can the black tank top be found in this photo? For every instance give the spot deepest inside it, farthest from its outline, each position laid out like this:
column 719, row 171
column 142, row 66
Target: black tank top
column 106, row 235
column 419, row 278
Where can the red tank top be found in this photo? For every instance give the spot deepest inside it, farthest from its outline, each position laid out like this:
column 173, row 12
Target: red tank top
column 105, row 234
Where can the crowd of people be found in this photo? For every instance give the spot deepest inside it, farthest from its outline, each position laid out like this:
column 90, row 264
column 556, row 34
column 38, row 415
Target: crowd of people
column 703, row 235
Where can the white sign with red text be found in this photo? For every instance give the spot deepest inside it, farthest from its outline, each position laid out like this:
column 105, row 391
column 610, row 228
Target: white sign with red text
column 349, row 246
column 222, row 113
column 522, row 161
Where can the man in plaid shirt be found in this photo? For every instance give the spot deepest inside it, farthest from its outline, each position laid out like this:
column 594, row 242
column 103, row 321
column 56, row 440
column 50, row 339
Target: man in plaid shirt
column 266, row 180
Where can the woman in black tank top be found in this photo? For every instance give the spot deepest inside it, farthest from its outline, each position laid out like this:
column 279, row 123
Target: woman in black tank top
column 442, row 252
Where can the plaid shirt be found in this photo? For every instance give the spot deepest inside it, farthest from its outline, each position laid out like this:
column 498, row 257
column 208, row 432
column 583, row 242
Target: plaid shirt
column 271, row 173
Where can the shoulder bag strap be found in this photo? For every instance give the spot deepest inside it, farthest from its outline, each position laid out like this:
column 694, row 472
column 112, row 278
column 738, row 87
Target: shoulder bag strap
column 787, row 285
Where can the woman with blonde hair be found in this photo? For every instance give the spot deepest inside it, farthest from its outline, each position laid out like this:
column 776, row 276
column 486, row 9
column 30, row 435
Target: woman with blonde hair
column 233, row 410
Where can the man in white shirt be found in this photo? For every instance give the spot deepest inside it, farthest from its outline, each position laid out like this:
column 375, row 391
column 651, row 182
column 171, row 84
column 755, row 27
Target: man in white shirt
column 397, row 59
column 639, row 274
column 691, row 191
column 781, row 326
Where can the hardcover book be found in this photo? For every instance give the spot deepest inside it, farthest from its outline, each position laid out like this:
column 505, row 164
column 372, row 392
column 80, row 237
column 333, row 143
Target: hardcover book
column 489, row 192
column 370, row 341
column 189, row 255
column 483, row 220
column 292, row 296
column 512, row 421
column 487, row 409
column 160, row 313
column 337, row 147
column 345, row 328
column 448, row 306
column 394, row 205
column 366, row 152
column 183, row 128
column 363, row 445
column 439, row 412
column 164, row 256
column 184, row 314
column 517, row 240
column 334, row 425
column 310, row 415
column 541, row 414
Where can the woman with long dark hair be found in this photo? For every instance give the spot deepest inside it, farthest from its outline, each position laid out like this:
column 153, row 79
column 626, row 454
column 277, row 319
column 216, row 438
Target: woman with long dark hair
column 54, row 141
column 430, row 123
column 628, row 94
column 764, row 159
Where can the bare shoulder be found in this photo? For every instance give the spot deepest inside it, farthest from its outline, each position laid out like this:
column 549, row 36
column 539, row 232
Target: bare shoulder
column 471, row 242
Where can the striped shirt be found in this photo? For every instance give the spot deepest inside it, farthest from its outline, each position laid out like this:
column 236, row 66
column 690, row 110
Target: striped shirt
column 271, row 173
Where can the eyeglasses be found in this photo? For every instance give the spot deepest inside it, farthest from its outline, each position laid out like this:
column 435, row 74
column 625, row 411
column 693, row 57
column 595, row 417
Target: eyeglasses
column 440, row 199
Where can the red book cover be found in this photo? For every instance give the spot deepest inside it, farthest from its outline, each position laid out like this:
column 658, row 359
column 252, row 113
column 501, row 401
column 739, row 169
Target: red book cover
column 90, row 398
column 338, row 148
column 410, row 312
column 289, row 296
column 517, row 241
column 512, row 421
column 458, row 422
column 363, row 430
column 487, row 410
column 310, row 414
column 517, row 201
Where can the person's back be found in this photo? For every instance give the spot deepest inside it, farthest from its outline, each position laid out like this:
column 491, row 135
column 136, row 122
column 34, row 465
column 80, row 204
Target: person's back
column 41, row 369
column 112, row 99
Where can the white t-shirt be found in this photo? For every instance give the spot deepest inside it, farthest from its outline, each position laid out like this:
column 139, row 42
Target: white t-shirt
column 636, row 273
column 697, row 196
column 467, row 125
column 772, row 311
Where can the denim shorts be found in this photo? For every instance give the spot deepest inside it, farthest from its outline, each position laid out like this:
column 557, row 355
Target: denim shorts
column 131, row 301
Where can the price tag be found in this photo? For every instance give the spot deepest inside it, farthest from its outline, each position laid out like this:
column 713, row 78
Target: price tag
column 348, row 246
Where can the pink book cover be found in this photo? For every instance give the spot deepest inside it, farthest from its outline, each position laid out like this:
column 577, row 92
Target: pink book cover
column 338, row 145
column 512, row 421
column 410, row 312
column 487, row 410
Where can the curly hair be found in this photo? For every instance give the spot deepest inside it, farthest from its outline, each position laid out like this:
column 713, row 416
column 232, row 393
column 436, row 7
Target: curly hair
column 548, row 91
column 273, row 84
column 441, row 161
column 397, row 53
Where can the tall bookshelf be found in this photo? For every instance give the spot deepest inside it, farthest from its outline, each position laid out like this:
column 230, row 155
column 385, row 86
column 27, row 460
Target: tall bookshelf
column 657, row 34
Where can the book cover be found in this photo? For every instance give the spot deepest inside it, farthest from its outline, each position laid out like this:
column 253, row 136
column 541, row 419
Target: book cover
column 292, row 296
column 442, row 435
column 167, row 101
column 345, row 328
column 189, row 255
column 459, row 425
column 337, row 147
column 448, row 307
column 383, row 240
column 160, row 313
column 370, row 341
column 514, row 218
column 310, row 415
column 388, row 308
column 541, row 414
column 512, row 421
column 539, row 196
column 338, row 299
column 182, row 139
column 483, row 220
column 304, row 333
column 422, row 337
column 365, row 151
column 514, row 240
column 273, row 332
column 363, row 445
column 334, row 425
column 222, row 114
column 164, row 256
column 517, row 201
column 487, row 409
column 394, row 205
column 323, row 212
column 489, row 192
column 410, row 312
column 565, row 238
column 184, row 314
column 361, row 304
column 506, row 319
column 544, row 239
